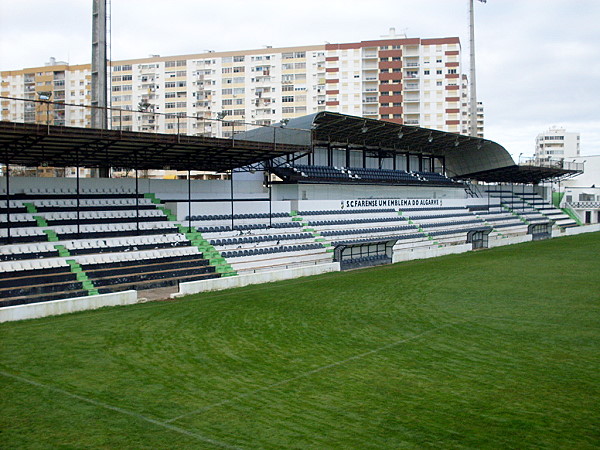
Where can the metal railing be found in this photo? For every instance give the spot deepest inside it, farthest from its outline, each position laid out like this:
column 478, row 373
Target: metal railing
column 553, row 163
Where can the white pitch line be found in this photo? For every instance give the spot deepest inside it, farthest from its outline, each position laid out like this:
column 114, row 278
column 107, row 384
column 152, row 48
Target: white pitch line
column 311, row 372
column 119, row 410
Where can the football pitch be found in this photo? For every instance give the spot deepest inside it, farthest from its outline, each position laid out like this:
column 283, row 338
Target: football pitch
column 490, row 349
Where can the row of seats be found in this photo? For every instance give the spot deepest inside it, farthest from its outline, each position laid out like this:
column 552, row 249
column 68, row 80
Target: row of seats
column 356, row 221
column 331, row 212
column 365, row 231
column 270, row 250
column 236, row 216
column 262, row 238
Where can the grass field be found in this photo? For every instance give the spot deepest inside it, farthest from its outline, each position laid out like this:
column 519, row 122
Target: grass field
column 491, row 349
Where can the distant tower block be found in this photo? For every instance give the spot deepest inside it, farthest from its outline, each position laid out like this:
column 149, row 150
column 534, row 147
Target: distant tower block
column 99, row 72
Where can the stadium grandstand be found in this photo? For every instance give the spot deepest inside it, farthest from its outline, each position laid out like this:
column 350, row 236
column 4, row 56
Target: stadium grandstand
column 325, row 192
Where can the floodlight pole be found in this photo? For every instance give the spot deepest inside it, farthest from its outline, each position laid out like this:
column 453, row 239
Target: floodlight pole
column 473, row 93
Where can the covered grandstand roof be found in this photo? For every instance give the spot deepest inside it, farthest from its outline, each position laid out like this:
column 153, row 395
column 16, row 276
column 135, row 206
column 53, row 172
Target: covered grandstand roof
column 36, row 145
column 523, row 174
column 465, row 156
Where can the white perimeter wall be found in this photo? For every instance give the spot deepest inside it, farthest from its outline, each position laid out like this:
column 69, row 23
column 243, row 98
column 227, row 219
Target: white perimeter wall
column 69, row 305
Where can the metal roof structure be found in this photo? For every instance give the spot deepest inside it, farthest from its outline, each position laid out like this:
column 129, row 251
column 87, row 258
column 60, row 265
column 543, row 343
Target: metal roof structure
column 466, row 157
column 522, row 174
column 59, row 146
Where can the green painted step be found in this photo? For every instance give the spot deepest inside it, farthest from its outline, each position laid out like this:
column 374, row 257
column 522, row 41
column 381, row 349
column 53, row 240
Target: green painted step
column 297, row 219
column 52, row 236
column 62, row 251
column 30, row 207
column 41, row 222
column 293, row 213
column 152, row 198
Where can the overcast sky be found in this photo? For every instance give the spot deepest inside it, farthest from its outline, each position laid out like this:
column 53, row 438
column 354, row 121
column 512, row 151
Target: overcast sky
column 538, row 61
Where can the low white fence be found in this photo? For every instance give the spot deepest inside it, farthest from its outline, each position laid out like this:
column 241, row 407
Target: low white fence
column 217, row 284
column 69, row 305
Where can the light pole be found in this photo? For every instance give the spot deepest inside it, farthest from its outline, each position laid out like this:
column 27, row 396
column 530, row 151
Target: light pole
column 473, row 93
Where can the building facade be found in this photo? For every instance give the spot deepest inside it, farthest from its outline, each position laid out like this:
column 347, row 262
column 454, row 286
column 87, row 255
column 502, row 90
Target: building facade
column 557, row 143
column 410, row 81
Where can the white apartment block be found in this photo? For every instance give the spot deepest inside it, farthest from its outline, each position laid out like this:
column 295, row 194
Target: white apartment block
column 557, row 143
column 404, row 80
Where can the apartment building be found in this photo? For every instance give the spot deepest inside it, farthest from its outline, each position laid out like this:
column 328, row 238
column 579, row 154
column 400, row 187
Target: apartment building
column 404, row 80
column 557, row 143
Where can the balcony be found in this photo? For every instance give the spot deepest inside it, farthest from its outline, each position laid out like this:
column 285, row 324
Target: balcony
column 411, row 75
column 370, row 100
column 411, row 99
column 411, row 87
column 411, row 122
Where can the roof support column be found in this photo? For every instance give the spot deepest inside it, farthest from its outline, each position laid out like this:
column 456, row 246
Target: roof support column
column 189, row 174
column 77, row 190
column 137, row 201
column 231, row 196
column 8, row 224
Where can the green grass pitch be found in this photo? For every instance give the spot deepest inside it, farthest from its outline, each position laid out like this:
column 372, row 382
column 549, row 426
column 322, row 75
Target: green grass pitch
column 491, row 349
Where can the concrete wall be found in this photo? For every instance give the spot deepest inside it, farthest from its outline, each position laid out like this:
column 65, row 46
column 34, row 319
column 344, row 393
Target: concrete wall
column 576, row 230
column 343, row 192
column 218, row 284
column 498, row 241
column 56, row 307
column 429, row 252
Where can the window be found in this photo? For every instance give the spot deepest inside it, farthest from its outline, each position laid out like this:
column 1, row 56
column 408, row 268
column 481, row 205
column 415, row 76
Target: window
column 438, row 72
column 438, row 83
column 227, row 91
column 239, row 101
column 238, row 112
column 287, row 98
column 237, row 91
column 300, row 65
column 300, row 55
column 288, row 66
column 226, row 70
column 181, row 63
column 426, row 72
column 396, row 58
column 287, row 87
column 181, row 84
column 238, row 80
column 439, row 60
column 396, row 70
column 170, row 105
column 227, row 102
column 169, row 84
column 239, row 69
column 181, row 73
column 170, row 63
column 182, row 104
column 287, row 109
column 238, row 59
column 126, row 67
column 169, row 94
column 127, row 87
column 451, row 71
